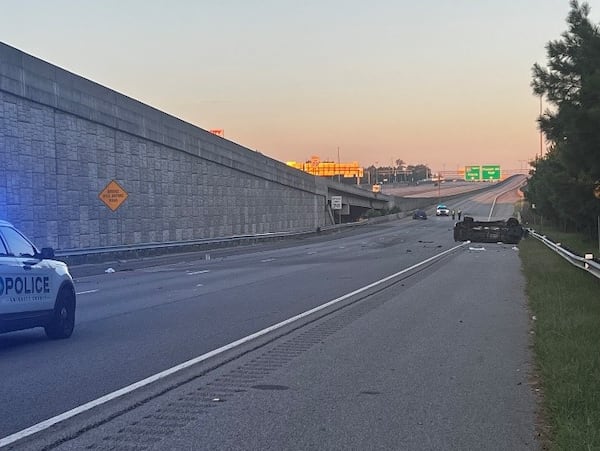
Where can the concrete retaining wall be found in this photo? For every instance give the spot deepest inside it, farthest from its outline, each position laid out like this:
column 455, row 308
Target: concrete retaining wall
column 63, row 138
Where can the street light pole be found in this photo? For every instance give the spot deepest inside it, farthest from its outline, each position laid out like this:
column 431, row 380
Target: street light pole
column 339, row 164
column 541, row 132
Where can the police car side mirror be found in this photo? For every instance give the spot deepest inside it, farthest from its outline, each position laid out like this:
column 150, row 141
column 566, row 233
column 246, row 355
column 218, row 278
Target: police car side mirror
column 47, row 253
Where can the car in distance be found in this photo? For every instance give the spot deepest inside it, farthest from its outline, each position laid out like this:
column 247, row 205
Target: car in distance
column 35, row 289
column 442, row 210
column 419, row 214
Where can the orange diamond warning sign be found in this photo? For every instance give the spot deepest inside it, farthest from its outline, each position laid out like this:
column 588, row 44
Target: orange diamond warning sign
column 113, row 195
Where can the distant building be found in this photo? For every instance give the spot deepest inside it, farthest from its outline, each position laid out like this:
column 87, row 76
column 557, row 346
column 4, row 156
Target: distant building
column 329, row 168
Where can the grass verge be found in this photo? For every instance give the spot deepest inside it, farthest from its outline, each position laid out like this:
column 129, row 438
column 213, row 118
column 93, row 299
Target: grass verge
column 571, row 241
column 566, row 303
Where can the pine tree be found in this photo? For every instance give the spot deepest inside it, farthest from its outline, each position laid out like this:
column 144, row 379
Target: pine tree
column 564, row 179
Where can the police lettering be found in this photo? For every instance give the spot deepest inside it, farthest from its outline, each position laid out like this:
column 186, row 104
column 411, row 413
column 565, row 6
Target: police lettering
column 24, row 285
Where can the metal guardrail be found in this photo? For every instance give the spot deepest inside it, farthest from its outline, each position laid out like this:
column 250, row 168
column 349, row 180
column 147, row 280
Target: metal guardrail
column 227, row 240
column 170, row 244
column 588, row 265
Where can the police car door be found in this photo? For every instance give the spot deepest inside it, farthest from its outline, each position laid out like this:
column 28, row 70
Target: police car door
column 25, row 280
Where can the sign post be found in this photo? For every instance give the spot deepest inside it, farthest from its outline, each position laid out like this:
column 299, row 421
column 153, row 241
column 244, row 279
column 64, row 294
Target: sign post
column 336, row 204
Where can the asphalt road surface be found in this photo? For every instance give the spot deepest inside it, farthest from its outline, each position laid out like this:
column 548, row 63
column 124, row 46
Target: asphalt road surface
column 438, row 359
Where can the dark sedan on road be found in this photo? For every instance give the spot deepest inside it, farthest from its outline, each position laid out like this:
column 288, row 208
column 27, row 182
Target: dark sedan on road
column 419, row 214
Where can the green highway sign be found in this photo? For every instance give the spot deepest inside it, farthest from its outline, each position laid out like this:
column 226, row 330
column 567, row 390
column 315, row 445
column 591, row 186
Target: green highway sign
column 490, row 172
column 472, row 173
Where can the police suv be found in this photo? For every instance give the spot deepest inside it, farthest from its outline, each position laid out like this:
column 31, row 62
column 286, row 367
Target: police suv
column 35, row 289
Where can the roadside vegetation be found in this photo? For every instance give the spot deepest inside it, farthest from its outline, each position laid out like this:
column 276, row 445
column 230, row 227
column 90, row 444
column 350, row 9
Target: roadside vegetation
column 565, row 183
column 565, row 302
column 562, row 201
column 372, row 213
column 578, row 243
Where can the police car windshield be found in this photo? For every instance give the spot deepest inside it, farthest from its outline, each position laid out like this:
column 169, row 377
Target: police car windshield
column 17, row 244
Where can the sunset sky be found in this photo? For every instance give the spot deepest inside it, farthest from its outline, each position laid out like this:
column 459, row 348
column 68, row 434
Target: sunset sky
column 444, row 83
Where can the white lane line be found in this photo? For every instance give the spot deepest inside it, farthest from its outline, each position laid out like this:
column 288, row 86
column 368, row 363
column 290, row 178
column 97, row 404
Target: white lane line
column 496, row 198
column 86, row 292
column 163, row 374
column 267, row 260
column 198, row 272
column 200, row 285
column 153, row 270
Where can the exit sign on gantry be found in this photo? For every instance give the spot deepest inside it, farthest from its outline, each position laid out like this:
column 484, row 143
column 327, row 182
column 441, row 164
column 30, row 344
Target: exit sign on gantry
column 490, row 172
column 472, row 173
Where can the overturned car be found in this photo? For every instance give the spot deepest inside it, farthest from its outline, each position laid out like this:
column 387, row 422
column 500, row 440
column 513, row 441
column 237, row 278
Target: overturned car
column 509, row 231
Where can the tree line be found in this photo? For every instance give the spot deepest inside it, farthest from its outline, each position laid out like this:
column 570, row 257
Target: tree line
column 399, row 173
column 564, row 185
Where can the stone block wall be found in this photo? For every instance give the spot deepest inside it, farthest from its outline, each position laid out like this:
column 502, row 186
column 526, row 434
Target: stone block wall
column 64, row 138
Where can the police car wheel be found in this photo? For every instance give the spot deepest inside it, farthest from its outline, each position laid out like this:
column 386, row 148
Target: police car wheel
column 63, row 318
